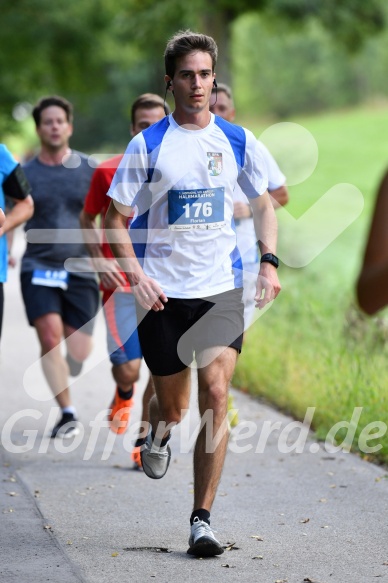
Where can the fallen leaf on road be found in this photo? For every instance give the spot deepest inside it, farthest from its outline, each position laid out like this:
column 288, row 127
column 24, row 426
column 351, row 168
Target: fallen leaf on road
column 69, row 542
column 231, row 547
column 381, row 478
column 323, row 500
column 258, row 557
column 304, row 520
column 12, row 494
column 308, row 580
column 228, row 566
column 257, row 537
column 117, row 554
column 281, row 580
column 385, row 563
column 48, row 527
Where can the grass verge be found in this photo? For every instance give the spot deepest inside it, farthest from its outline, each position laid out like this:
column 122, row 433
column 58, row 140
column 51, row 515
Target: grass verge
column 312, row 348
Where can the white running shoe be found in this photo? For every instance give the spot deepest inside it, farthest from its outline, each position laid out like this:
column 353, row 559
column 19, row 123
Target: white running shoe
column 155, row 460
column 202, row 542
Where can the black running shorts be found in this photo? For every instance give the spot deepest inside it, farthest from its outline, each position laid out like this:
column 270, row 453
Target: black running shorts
column 171, row 337
column 77, row 305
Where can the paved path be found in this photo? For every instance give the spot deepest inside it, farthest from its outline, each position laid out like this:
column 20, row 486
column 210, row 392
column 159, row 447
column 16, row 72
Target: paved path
column 82, row 515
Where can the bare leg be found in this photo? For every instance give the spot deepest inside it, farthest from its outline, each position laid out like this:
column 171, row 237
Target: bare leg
column 50, row 332
column 213, row 384
column 167, row 407
column 171, row 400
column 147, row 396
column 126, row 374
column 79, row 344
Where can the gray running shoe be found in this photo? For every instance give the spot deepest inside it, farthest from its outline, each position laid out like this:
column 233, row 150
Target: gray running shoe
column 155, row 460
column 66, row 427
column 202, row 542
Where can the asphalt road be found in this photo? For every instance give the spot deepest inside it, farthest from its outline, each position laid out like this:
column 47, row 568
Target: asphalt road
column 80, row 513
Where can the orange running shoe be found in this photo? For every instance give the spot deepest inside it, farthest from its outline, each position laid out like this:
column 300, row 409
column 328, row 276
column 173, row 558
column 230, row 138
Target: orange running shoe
column 120, row 412
column 136, row 458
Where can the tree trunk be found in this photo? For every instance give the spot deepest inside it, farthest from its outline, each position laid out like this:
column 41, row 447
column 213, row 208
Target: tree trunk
column 217, row 24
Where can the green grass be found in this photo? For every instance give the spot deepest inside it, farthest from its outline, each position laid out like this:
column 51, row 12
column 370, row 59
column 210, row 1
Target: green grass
column 312, row 348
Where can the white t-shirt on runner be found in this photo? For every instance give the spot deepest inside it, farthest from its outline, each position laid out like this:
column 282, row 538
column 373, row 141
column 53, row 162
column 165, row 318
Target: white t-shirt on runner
column 246, row 236
column 180, row 183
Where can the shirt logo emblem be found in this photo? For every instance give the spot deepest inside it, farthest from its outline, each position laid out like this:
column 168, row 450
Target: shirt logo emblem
column 214, row 163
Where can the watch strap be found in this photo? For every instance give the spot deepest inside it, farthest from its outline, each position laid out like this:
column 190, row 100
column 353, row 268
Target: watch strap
column 270, row 258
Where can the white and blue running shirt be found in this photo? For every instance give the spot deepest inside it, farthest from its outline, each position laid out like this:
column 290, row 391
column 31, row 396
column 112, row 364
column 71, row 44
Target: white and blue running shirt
column 245, row 228
column 180, row 183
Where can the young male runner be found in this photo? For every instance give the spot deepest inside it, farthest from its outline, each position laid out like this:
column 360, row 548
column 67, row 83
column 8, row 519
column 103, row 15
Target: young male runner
column 59, row 304
column 181, row 258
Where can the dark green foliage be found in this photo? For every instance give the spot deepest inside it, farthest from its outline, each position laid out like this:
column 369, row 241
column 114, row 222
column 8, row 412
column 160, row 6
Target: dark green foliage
column 103, row 53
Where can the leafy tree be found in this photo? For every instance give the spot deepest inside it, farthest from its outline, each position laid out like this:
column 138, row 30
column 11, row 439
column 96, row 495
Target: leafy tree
column 101, row 53
column 54, row 47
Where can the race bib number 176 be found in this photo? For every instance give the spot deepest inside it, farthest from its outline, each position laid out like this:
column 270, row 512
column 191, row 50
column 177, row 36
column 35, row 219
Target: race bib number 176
column 201, row 208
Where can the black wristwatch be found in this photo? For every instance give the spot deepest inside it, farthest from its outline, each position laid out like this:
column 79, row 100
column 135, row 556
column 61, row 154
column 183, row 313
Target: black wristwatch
column 270, row 258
